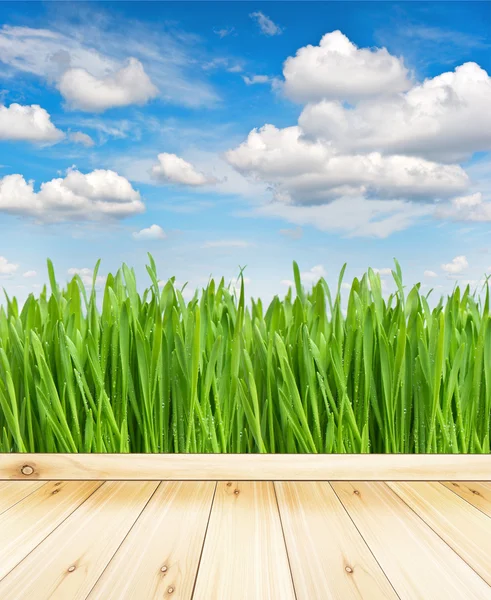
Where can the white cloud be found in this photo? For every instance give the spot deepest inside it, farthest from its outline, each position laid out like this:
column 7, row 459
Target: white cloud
column 465, row 208
column 430, row 274
column 86, row 275
column 313, row 275
column 266, row 25
column 457, row 265
column 128, row 85
column 380, row 164
column 29, row 123
column 82, row 138
column 305, row 172
column 446, row 118
column 154, row 232
column 226, row 244
column 92, row 196
column 7, row 268
column 168, row 58
column 235, row 282
column 30, row 274
column 338, row 70
column 173, row 169
column 256, row 79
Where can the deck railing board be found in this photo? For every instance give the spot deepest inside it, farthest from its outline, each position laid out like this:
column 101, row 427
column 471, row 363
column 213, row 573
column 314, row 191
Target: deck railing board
column 246, row 467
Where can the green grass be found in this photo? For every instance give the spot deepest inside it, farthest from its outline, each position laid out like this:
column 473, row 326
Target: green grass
column 152, row 373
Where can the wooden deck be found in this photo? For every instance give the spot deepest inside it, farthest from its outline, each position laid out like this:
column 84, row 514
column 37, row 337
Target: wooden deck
column 244, row 539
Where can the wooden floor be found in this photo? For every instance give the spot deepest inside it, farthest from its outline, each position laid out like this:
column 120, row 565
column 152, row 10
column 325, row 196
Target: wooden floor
column 232, row 540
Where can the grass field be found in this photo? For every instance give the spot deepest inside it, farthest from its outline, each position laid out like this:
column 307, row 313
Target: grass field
column 152, row 373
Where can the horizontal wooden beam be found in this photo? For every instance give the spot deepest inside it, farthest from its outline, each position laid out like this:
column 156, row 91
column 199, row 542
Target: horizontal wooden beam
column 243, row 467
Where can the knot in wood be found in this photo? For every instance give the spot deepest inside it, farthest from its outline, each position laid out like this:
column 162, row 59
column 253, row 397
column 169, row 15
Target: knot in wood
column 27, row 470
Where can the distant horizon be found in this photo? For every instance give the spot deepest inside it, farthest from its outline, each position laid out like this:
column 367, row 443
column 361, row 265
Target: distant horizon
column 220, row 134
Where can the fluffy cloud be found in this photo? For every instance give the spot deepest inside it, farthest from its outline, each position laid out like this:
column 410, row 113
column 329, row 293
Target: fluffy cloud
column 87, row 275
column 29, row 123
column 82, row 138
column 304, row 172
column 430, row 274
column 457, row 265
column 380, row 163
column 466, row 208
column 338, row 70
column 154, row 232
column 173, row 169
column 7, row 268
column 28, row 274
column 383, row 272
column 314, row 274
column 92, row 196
column 128, row 85
column 446, row 118
column 101, row 53
column 266, row 25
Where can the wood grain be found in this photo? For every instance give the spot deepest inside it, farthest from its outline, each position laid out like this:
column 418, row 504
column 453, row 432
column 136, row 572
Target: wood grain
column 244, row 555
column 478, row 494
column 160, row 556
column 248, row 467
column 74, row 556
column 328, row 556
column 417, row 561
column 12, row 492
column 26, row 524
column 464, row 528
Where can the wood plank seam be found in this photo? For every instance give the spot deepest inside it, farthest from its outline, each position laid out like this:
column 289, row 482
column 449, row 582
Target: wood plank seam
column 124, row 538
column 54, row 529
column 204, row 540
column 284, row 539
column 436, row 533
column 364, row 540
column 468, row 501
column 23, row 498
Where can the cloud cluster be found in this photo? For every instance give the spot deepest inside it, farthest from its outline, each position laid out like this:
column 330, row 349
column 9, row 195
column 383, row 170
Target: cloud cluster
column 373, row 151
column 174, row 169
column 28, row 123
column 100, row 194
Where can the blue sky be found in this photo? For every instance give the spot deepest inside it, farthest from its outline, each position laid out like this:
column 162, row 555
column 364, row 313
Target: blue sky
column 219, row 134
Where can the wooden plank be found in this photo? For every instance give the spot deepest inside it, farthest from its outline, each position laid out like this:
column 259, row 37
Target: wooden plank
column 27, row 523
column 12, row 492
column 478, row 494
column 247, row 467
column 328, row 556
column 162, row 551
column 418, row 563
column 244, row 555
column 69, row 562
column 464, row 528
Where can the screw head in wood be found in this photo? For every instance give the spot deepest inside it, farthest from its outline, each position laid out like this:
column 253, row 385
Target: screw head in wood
column 27, row 470
column 170, row 590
